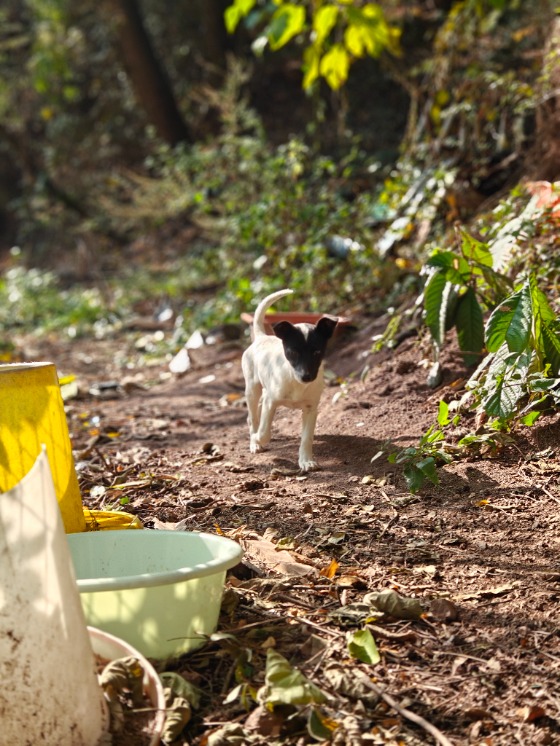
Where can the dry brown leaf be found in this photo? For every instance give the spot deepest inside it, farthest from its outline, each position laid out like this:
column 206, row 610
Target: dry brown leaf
column 444, row 610
column 262, row 552
column 349, row 581
column 530, row 713
column 477, row 713
column 488, row 592
column 330, row 571
column 265, row 722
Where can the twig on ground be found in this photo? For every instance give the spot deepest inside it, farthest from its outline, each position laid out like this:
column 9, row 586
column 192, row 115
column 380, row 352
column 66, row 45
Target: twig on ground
column 320, row 627
column 413, row 717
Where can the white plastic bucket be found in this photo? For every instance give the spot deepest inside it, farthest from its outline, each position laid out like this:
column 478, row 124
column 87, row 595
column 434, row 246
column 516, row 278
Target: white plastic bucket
column 160, row 591
column 49, row 691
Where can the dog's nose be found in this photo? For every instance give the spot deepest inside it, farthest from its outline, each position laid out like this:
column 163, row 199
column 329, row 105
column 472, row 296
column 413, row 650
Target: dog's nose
column 307, row 378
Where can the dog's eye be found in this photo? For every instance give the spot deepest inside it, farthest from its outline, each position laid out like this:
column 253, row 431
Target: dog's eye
column 317, row 353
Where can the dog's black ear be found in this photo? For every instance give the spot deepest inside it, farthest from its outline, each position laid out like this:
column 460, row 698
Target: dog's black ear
column 284, row 330
column 326, row 326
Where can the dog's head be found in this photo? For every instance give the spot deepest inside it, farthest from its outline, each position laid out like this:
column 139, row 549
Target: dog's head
column 305, row 345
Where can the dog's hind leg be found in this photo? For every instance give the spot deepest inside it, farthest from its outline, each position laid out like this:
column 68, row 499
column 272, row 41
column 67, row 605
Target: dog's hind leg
column 253, row 398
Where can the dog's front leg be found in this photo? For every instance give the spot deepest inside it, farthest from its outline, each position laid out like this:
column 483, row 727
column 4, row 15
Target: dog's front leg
column 309, row 420
column 261, row 438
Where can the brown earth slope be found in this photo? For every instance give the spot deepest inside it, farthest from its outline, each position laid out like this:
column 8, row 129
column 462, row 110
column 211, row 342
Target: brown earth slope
column 480, row 551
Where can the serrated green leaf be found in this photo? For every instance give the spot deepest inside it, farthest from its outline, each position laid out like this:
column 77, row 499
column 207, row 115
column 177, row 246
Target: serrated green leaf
column 537, row 383
column 470, row 327
column 455, row 268
column 502, row 402
column 428, row 468
column 551, row 345
column 361, row 645
column 540, row 301
column 500, row 284
column 431, row 436
column 545, row 325
column 506, row 383
column 511, row 322
column 475, row 251
column 441, row 259
column 530, row 418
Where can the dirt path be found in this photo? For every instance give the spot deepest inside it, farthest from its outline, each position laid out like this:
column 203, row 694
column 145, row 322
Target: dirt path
column 480, row 551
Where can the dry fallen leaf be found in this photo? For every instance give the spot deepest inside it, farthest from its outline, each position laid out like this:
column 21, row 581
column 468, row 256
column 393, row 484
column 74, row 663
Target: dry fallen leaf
column 262, row 552
column 392, row 603
column 530, row 713
column 444, row 610
column 330, row 571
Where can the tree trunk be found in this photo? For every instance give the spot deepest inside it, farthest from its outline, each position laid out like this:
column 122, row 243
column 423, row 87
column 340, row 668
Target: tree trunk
column 149, row 81
column 548, row 112
column 215, row 40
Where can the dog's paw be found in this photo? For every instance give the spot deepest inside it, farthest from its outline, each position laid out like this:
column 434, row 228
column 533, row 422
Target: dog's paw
column 255, row 445
column 308, row 465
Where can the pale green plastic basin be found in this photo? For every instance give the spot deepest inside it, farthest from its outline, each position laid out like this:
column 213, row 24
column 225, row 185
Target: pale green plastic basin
column 159, row 590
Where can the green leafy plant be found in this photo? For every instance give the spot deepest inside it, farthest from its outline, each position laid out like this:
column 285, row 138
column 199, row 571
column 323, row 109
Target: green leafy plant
column 460, row 287
column 338, row 33
column 419, row 462
column 273, row 215
column 518, row 378
column 521, row 370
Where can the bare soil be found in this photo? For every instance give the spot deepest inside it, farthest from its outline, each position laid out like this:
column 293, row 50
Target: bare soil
column 480, row 550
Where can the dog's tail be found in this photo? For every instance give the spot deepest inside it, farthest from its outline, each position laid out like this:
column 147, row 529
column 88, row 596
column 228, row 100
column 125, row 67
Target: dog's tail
column 258, row 318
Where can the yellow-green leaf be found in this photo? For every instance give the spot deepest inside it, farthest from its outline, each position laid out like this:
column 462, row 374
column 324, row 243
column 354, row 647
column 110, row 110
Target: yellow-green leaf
column 311, row 59
column 287, row 22
column 285, row 685
column 334, row 66
column 319, row 726
column 324, row 22
column 236, row 11
column 361, row 645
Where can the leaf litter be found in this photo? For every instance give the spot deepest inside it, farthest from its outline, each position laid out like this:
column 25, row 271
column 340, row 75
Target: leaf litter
column 464, row 649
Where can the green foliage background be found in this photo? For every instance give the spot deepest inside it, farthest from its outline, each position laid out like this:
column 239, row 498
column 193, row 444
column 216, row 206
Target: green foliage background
column 308, row 200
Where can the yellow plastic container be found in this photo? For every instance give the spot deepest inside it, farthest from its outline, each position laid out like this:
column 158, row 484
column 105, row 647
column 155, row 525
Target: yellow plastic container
column 32, row 414
column 110, row 520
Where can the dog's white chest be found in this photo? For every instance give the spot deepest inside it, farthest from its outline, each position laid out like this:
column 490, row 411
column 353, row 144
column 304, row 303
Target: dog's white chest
column 293, row 393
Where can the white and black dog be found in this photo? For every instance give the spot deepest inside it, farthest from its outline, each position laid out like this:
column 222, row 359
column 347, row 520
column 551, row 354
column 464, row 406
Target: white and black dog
column 285, row 370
